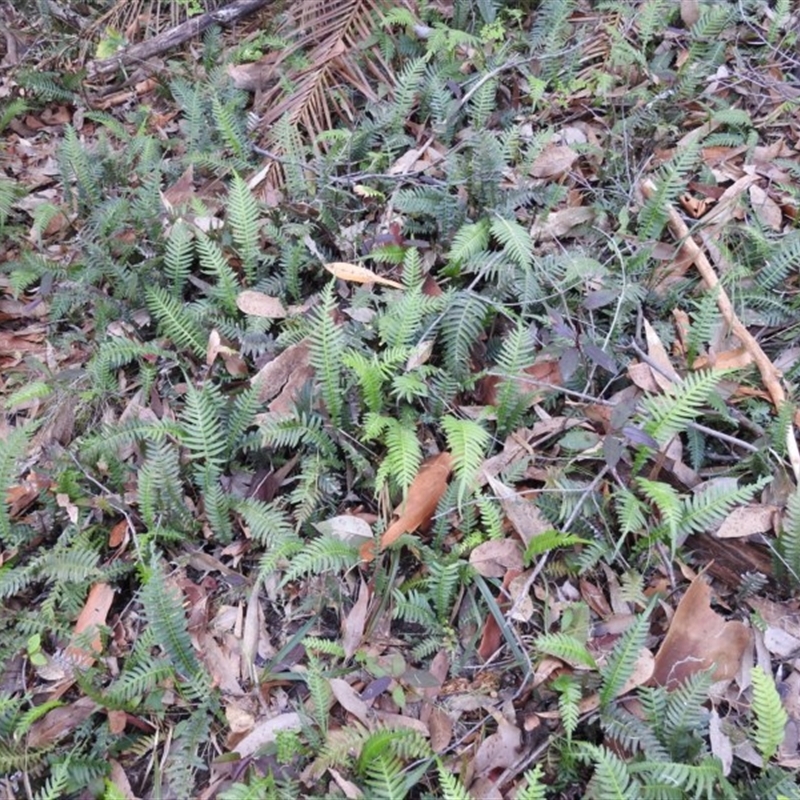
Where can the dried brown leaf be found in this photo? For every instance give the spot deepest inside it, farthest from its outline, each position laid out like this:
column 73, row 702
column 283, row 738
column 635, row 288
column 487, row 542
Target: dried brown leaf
column 420, row 503
column 698, row 639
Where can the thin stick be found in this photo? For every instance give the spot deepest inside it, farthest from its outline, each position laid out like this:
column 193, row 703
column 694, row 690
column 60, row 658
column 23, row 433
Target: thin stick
column 770, row 374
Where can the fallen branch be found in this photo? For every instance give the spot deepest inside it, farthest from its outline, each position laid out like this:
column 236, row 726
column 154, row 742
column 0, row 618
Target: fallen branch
column 166, row 40
column 770, row 374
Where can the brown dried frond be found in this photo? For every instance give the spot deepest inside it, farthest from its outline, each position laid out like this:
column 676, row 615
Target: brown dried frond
column 334, row 35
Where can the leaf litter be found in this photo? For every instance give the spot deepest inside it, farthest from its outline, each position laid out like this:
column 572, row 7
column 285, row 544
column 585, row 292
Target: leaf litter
column 261, row 639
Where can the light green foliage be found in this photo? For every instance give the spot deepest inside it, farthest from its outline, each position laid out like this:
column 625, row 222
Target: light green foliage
column 181, row 451
column 566, row 647
column 769, row 715
column 666, row 415
column 621, row 662
column 789, row 539
column 467, row 441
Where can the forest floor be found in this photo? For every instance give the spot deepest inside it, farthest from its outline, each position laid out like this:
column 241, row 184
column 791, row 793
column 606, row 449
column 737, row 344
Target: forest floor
column 400, row 401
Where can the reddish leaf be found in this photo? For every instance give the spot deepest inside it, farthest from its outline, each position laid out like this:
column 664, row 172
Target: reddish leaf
column 423, row 496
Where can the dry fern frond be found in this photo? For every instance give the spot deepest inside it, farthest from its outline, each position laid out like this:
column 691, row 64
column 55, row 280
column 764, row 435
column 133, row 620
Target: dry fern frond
column 334, row 36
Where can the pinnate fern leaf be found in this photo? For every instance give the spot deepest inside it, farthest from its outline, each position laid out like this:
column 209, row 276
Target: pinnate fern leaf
column 668, row 414
column 243, row 219
column 770, row 717
column 163, row 605
column 622, row 660
column 467, row 441
column 176, row 322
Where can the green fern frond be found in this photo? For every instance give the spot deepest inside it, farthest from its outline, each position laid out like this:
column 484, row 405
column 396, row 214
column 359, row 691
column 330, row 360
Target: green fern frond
column 78, row 168
column 691, row 780
column 670, row 182
column 159, row 488
column 452, row 788
column 323, row 554
column 516, row 241
column 612, row 779
column 621, row 661
column 770, row 717
column 229, row 124
column 705, row 509
column 202, row 431
column 178, row 257
column 183, row 760
column 632, row 734
column 467, row 441
column 535, row 788
column 13, row 447
column 213, row 262
column 471, row 240
column 403, row 453
column 163, row 606
column 788, row 545
column 327, row 348
column 669, row 414
column 784, row 258
column 567, row 648
column 243, row 214
column 176, row 322
column 685, row 718
column 667, row 500
column 516, row 353
column 569, row 697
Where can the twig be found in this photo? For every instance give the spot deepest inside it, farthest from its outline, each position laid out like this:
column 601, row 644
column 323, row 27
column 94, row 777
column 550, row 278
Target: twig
column 168, row 39
column 770, row 375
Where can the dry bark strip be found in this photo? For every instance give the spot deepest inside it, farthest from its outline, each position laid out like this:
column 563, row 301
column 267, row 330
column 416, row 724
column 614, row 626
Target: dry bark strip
column 166, row 40
column 770, row 374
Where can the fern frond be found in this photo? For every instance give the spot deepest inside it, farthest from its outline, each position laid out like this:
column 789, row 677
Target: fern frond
column 612, row 779
column 788, row 545
column 567, row 648
column 670, row 182
column 163, row 605
column 621, row 661
column 467, row 441
column 668, row 414
column 213, row 262
column 516, row 354
column 471, row 240
column 202, row 431
column 569, row 697
column 323, row 554
column 327, row 348
column 178, row 257
column 243, row 215
column 535, row 788
column 13, row 447
column 770, row 717
column 784, row 258
column 516, row 241
column 705, row 509
column 176, row 322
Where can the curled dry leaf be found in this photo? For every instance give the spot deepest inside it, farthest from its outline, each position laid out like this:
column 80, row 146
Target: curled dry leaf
column 273, row 375
column 358, row 274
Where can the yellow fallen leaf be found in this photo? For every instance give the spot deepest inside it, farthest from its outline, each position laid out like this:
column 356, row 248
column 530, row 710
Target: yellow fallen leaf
column 358, row 274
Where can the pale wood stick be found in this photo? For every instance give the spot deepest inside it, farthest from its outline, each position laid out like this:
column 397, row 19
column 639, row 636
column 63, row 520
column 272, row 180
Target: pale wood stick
column 770, row 374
